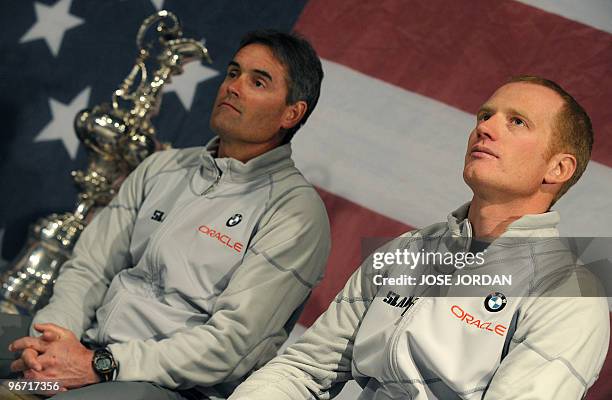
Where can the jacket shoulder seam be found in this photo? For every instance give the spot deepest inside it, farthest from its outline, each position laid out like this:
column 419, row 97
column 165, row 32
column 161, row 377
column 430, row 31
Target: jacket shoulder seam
column 167, row 171
column 271, row 261
column 550, row 358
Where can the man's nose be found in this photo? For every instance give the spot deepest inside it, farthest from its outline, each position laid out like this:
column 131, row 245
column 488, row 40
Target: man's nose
column 489, row 128
column 234, row 87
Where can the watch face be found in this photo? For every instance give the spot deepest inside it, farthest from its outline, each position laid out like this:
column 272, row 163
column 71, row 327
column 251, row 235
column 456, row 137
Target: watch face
column 103, row 364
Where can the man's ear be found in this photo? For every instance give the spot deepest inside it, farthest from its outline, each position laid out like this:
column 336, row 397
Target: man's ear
column 293, row 114
column 561, row 168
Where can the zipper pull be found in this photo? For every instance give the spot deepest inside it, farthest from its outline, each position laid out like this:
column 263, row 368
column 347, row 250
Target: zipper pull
column 411, row 302
column 212, row 186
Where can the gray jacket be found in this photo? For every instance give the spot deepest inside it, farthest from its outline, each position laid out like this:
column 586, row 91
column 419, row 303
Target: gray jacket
column 539, row 343
column 192, row 272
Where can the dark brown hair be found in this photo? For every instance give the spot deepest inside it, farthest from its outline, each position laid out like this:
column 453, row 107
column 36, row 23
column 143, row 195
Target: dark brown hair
column 305, row 72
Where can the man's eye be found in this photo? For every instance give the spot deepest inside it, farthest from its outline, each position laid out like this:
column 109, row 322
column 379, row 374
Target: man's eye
column 483, row 116
column 259, row 84
column 518, row 122
column 232, row 74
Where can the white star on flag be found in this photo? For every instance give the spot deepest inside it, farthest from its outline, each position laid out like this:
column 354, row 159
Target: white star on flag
column 61, row 125
column 158, row 4
column 186, row 84
column 51, row 24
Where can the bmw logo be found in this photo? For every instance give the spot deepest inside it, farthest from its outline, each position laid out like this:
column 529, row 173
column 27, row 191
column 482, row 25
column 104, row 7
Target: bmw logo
column 495, row 302
column 233, row 221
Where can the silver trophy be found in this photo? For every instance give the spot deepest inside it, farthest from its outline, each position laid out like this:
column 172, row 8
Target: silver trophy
column 118, row 136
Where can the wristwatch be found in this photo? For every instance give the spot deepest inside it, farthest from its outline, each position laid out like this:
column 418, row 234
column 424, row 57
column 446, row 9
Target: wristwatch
column 104, row 364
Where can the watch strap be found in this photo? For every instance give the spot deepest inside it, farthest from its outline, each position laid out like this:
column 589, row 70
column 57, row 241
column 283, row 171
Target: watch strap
column 106, row 374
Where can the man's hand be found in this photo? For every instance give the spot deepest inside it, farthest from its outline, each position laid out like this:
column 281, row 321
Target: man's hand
column 57, row 354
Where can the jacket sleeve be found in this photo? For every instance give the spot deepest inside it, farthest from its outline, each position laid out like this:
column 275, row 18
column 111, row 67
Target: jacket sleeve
column 100, row 253
column 284, row 260
column 320, row 362
column 557, row 351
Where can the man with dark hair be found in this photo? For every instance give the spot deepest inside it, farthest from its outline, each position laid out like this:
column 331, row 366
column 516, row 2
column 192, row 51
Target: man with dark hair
column 542, row 335
column 304, row 71
column 196, row 271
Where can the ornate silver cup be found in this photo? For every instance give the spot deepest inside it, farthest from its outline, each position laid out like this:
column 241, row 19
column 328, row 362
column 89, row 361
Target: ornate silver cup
column 118, row 137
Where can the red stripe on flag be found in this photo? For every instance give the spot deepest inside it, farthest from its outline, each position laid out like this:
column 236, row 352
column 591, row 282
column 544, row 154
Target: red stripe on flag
column 350, row 223
column 458, row 52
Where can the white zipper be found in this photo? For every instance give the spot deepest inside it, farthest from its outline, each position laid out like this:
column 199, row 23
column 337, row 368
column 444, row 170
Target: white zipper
column 396, row 336
column 161, row 232
column 212, row 186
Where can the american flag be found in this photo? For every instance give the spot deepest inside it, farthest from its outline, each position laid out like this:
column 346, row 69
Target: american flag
column 385, row 145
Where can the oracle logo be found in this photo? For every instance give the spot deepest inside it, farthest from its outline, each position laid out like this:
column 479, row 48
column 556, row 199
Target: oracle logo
column 471, row 320
column 221, row 237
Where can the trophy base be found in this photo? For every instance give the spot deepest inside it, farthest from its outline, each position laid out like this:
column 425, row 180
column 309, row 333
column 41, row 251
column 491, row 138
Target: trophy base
column 6, row 307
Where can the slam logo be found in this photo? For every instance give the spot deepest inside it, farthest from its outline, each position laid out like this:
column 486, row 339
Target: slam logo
column 495, row 302
column 158, row 216
column 395, row 300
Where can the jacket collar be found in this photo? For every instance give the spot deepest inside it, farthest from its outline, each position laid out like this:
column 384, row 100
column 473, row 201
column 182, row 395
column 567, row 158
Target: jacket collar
column 233, row 170
column 528, row 226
